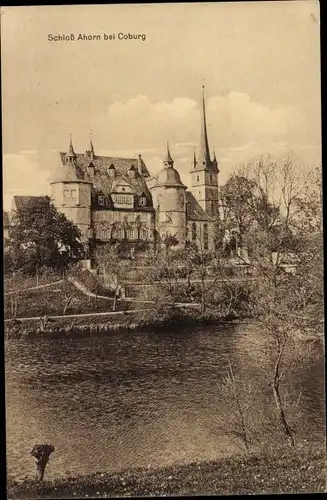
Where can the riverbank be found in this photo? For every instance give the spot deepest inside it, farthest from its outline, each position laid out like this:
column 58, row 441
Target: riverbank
column 103, row 323
column 302, row 470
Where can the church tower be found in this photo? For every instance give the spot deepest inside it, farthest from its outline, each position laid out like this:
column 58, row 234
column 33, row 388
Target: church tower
column 204, row 174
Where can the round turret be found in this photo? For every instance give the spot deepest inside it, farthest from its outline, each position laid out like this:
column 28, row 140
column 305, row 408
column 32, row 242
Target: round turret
column 169, row 200
column 71, row 192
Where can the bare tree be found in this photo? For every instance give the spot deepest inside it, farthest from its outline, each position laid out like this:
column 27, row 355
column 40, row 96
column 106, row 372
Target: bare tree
column 286, row 305
column 113, row 268
column 239, row 402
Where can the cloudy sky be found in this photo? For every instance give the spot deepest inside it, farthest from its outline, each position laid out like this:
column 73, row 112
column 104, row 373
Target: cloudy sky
column 260, row 62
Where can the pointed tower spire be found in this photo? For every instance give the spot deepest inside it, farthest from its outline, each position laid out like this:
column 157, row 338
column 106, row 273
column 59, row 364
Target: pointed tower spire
column 91, row 147
column 204, row 156
column 194, row 158
column 70, row 155
column 168, row 161
column 71, row 149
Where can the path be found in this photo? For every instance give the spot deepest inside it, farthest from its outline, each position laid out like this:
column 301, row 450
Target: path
column 34, row 287
column 185, row 280
column 87, row 292
column 80, row 315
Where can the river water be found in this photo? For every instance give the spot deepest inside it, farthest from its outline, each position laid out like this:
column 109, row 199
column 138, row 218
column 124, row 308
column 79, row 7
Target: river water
column 128, row 400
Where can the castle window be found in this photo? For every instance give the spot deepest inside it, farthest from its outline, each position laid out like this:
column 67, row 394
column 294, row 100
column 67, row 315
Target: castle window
column 124, row 199
column 73, row 194
column 101, row 200
column 193, row 231
column 198, row 178
column 210, row 178
column 66, row 193
column 130, row 234
column 205, row 236
column 144, row 234
column 142, row 201
column 121, row 234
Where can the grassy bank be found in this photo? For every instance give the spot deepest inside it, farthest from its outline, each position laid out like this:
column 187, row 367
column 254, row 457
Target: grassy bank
column 58, row 299
column 284, row 471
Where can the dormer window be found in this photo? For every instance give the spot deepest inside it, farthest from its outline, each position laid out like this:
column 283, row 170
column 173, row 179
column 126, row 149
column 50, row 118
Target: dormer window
column 111, row 170
column 101, row 199
column 142, row 201
column 132, row 172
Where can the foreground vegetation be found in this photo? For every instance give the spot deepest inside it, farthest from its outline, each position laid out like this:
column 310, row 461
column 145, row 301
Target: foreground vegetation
column 299, row 470
column 272, row 217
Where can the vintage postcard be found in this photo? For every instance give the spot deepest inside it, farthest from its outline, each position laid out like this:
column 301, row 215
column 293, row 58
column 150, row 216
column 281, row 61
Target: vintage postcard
column 163, row 249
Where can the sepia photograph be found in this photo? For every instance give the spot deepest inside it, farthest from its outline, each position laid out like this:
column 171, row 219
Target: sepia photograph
column 163, row 250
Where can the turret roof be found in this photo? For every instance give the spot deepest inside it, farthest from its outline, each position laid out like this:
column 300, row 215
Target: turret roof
column 169, row 177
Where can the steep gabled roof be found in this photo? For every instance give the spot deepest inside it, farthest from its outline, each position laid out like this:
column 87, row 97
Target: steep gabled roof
column 98, row 174
column 194, row 211
column 22, row 202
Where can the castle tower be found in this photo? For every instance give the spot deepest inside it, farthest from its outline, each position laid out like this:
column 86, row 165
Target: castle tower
column 71, row 193
column 204, row 174
column 169, row 202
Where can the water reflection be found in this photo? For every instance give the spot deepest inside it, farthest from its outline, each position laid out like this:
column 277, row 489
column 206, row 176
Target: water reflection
column 126, row 400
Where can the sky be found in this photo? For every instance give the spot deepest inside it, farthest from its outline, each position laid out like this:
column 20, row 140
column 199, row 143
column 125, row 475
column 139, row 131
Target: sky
column 259, row 61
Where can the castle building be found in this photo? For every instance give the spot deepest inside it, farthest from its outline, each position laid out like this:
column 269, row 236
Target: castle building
column 111, row 198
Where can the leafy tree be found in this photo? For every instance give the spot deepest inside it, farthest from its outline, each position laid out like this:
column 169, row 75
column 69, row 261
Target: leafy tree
column 41, row 236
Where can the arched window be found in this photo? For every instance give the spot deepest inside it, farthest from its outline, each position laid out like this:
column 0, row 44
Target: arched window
column 205, row 236
column 144, row 234
column 142, row 201
column 193, row 231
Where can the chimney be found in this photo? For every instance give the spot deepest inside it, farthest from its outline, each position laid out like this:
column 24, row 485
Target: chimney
column 139, row 165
